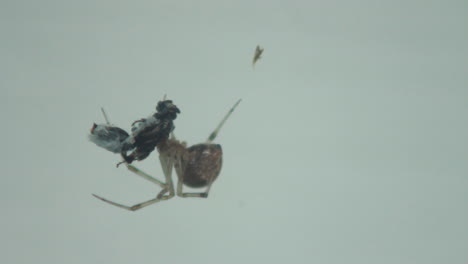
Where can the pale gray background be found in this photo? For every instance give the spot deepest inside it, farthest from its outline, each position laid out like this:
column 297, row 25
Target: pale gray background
column 350, row 144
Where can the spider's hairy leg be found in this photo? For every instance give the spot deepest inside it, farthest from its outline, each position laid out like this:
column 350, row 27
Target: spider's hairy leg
column 166, row 164
column 167, row 187
column 159, row 197
column 145, row 175
column 182, row 194
column 216, row 131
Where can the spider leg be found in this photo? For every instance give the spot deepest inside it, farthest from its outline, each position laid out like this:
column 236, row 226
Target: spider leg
column 182, row 194
column 216, row 131
column 166, row 164
column 193, row 194
column 159, row 197
column 145, row 175
column 180, row 176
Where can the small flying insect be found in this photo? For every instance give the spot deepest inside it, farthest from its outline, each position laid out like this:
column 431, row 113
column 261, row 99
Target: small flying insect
column 197, row 166
column 257, row 55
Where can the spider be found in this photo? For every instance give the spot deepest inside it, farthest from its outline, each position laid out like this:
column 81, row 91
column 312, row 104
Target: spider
column 196, row 166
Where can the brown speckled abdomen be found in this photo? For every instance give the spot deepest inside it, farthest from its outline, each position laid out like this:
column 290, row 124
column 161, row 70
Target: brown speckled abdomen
column 203, row 164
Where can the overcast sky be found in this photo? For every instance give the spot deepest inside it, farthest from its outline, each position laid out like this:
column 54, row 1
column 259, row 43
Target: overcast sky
column 349, row 146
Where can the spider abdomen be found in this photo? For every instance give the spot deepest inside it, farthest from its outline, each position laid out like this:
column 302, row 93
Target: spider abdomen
column 202, row 164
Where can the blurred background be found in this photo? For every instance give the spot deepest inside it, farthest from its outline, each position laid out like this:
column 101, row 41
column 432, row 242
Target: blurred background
column 349, row 146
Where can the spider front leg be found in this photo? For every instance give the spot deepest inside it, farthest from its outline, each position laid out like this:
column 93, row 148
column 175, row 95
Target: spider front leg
column 135, row 207
column 166, row 165
column 145, row 175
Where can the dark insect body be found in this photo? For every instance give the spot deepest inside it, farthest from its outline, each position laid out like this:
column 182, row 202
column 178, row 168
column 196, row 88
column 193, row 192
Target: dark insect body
column 146, row 134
